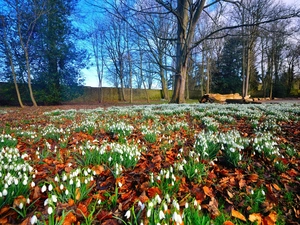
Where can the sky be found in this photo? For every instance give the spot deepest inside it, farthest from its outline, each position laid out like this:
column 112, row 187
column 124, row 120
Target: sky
column 91, row 78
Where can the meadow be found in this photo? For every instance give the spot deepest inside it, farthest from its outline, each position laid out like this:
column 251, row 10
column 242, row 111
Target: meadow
column 151, row 164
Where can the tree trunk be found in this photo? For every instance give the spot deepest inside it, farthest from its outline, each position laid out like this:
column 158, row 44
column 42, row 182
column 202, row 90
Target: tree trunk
column 188, row 15
column 187, row 91
column 29, row 78
column 208, row 75
column 130, row 79
column 179, row 88
column 248, row 71
column 15, row 82
column 141, row 73
column 263, row 78
column 202, row 75
column 162, row 77
column 25, row 49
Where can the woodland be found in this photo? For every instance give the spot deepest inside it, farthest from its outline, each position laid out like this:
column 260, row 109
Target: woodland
column 249, row 47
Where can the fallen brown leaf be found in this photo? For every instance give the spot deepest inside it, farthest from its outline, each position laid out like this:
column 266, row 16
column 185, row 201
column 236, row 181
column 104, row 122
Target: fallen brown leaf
column 238, row 215
column 228, row 223
column 255, row 217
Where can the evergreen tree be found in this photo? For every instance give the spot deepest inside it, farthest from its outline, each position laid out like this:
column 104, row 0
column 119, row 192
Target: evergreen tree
column 60, row 59
column 227, row 78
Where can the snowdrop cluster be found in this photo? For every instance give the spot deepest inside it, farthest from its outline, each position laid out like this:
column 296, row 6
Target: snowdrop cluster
column 265, row 143
column 15, row 175
column 210, row 123
column 269, row 125
column 7, row 140
column 86, row 126
column 206, row 144
column 233, row 139
column 74, row 185
column 162, row 211
column 226, row 119
column 125, row 154
column 120, row 128
column 165, row 180
column 52, row 132
column 177, row 126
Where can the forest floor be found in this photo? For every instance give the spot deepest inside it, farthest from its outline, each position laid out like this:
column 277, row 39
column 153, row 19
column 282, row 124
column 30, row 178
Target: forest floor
column 151, row 164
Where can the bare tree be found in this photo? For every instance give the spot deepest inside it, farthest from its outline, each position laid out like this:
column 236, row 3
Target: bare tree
column 115, row 45
column 188, row 15
column 8, row 52
column 97, row 38
column 25, row 29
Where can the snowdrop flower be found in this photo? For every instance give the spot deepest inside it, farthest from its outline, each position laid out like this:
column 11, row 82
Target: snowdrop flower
column 158, row 177
column 176, row 204
column 177, row 218
column 46, row 202
column 158, row 199
column 168, row 198
column 168, row 175
column 61, row 186
column 33, row 219
column 186, row 205
column 151, row 205
column 64, row 178
column 263, row 192
column 149, row 212
column 54, row 198
column 25, row 182
column 127, row 214
column 21, row 205
column 199, row 207
column 161, row 215
column 50, row 187
column 195, row 202
column 32, row 184
column 165, row 206
column 78, row 184
column 119, row 184
column 67, row 192
column 50, row 210
column 141, row 205
column 44, row 188
column 180, row 167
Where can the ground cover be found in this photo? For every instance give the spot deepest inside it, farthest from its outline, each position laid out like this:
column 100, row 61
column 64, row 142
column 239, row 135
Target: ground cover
column 155, row 164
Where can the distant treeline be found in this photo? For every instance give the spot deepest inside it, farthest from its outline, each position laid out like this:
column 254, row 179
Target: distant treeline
column 94, row 95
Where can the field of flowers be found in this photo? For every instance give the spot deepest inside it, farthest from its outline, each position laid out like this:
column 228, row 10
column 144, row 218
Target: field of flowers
column 155, row 164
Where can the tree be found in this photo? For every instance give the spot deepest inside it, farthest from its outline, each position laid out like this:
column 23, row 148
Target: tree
column 61, row 58
column 228, row 77
column 25, row 15
column 8, row 52
column 187, row 14
column 116, row 50
column 97, row 38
